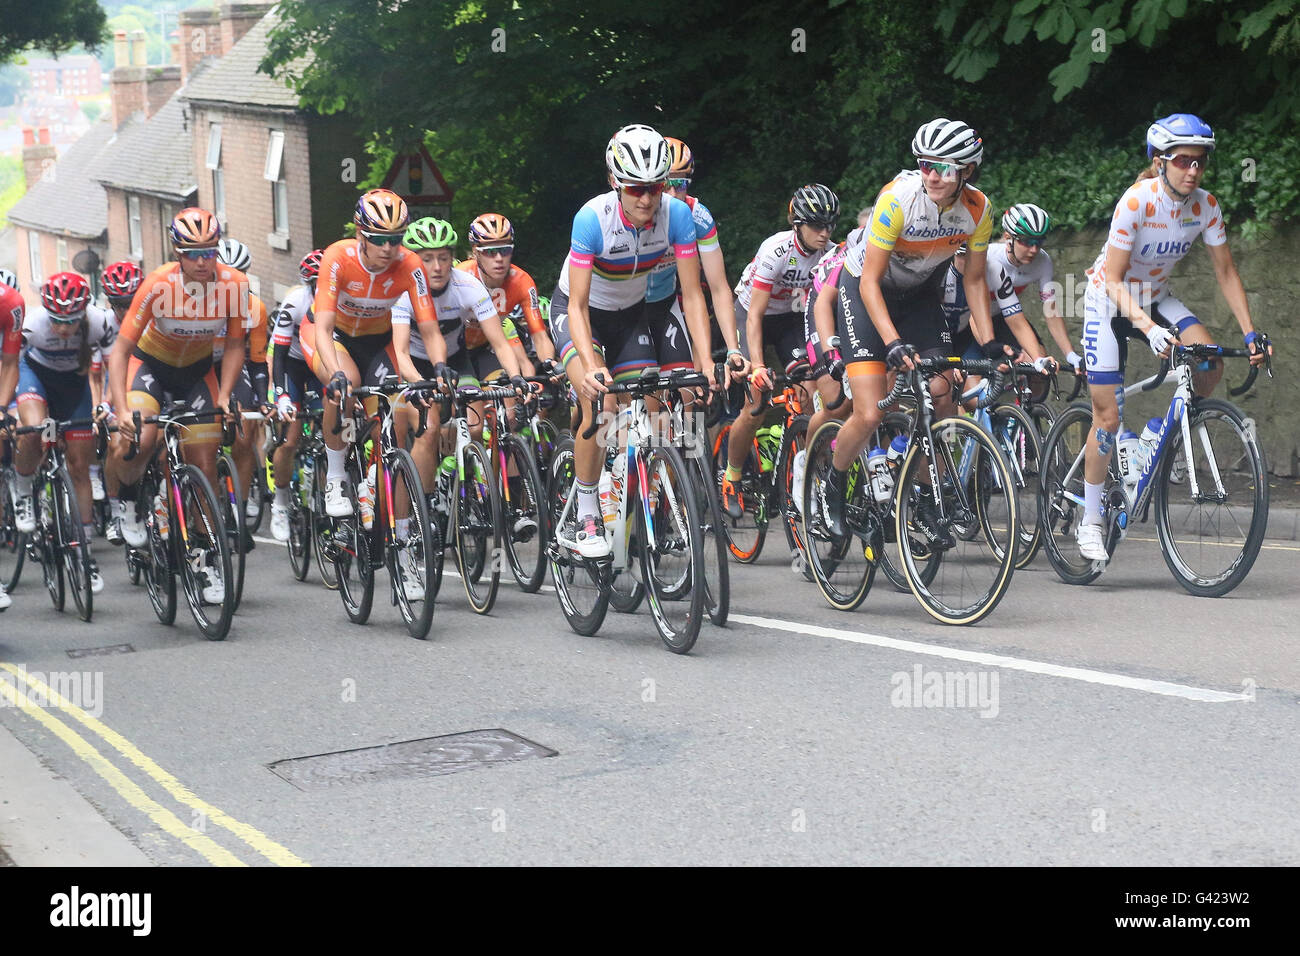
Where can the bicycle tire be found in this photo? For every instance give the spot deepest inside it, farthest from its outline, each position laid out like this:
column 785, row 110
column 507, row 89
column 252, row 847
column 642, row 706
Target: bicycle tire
column 73, row 547
column 713, row 543
column 202, row 536
column 476, row 511
column 1017, row 438
column 257, row 493
column 1060, row 503
column 228, row 479
column 405, row 481
column 13, row 543
column 154, row 562
column 746, row 534
column 794, row 441
column 527, row 564
column 901, row 423
column 47, row 547
column 1170, row 496
column 580, row 583
column 843, row 582
column 353, row 553
column 968, row 563
column 322, row 525
column 301, row 533
column 673, row 508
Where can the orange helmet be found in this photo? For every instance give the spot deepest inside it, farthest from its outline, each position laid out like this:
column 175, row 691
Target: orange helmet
column 381, row 210
column 683, row 160
column 491, row 227
column 195, row 228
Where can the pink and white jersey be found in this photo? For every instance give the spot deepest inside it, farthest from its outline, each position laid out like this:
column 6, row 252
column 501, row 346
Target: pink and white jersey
column 1158, row 230
column 827, row 271
column 1038, row 272
column 783, row 269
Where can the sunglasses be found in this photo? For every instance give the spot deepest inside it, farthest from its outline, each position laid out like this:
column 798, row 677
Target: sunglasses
column 654, row 189
column 198, row 253
column 503, row 251
column 383, row 239
column 816, row 226
column 1182, row 161
column 943, row 169
column 1029, row 242
column 679, row 184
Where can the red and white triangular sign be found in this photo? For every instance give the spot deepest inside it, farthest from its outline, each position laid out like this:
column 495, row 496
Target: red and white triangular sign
column 417, row 179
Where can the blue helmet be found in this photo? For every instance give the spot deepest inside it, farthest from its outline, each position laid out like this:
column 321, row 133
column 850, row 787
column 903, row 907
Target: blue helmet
column 1178, row 129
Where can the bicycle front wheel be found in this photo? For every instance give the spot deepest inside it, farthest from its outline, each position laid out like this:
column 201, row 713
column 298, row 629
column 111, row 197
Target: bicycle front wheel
column 154, row 561
column 410, row 556
column 713, row 543
column 975, row 573
column 47, row 547
column 74, row 546
column 476, row 510
column 579, row 582
column 13, row 543
column 1060, row 495
column 228, row 493
column 842, row 565
column 1017, row 438
column 525, row 525
column 745, row 535
column 672, row 553
column 1211, row 537
column 204, row 549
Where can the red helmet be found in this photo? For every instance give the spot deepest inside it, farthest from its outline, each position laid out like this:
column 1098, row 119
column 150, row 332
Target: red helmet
column 309, row 268
column 121, row 279
column 65, row 294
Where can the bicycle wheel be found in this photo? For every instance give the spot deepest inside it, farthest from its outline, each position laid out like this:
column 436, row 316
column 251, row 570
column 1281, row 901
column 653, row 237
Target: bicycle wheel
column 410, row 556
column 256, row 496
column 974, row 574
column 581, row 584
column 300, row 529
column 672, row 553
column 928, row 558
column 1060, row 495
column 13, row 543
column 352, row 550
column 202, row 542
column 232, row 512
column 794, row 441
column 1017, row 438
column 46, row 540
column 713, row 541
column 745, row 535
column 322, row 526
column 524, row 526
column 1210, row 539
column 154, row 561
column 73, row 545
column 544, row 445
column 840, row 564
column 476, row 510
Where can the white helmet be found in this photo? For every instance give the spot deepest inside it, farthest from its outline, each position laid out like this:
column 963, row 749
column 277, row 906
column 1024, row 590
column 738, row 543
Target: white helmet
column 8, row 278
column 950, row 140
column 637, row 154
column 235, row 254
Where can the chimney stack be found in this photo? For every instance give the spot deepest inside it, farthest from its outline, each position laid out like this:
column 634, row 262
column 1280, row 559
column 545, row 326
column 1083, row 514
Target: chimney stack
column 139, row 48
column 199, row 36
column 238, row 18
column 121, row 49
column 38, row 155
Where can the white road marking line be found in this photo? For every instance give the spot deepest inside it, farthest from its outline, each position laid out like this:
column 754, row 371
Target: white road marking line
column 998, row 660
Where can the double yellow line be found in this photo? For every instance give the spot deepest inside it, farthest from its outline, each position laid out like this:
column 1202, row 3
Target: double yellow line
column 195, row 839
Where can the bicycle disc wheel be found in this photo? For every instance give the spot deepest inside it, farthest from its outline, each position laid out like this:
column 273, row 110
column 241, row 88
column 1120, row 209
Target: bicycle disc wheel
column 410, row 556
column 580, row 583
column 154, row 561
column 74, row 546
column 1210, row 539
column 1017, row 438
column 228, row 494
column 476, row 510
column 840, row 564
column 352, row 549
column 974, row 574
column 524, row 527
column 13, row 543
column 745, row 535
column 672, row 553
column 204, row 546
column 1060, row 495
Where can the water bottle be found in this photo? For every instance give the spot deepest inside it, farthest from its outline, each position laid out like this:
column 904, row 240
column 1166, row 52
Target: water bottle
column 446, row 473
column 799, row 465
column 306, row 479
column 366, row 498
column 1149, row 440
column 894, row 457
column 882, row 483
column 608, row 499
column 160, row 515
column 1129, row 465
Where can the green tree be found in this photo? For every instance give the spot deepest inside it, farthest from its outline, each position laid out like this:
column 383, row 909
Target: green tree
column 13, row 81
column 54, row 25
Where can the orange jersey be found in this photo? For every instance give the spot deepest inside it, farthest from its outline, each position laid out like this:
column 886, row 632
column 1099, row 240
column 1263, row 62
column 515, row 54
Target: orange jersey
column 516, row 299
column 175, row 321
column 256, row 335
column 362, row 301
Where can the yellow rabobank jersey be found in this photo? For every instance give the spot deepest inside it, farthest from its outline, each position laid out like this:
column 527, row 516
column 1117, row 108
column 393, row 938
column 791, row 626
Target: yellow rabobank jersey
column 918, row 235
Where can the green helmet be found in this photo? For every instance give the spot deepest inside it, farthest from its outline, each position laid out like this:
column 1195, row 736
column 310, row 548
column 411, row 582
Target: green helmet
column 429, row 233
column 1027, row 221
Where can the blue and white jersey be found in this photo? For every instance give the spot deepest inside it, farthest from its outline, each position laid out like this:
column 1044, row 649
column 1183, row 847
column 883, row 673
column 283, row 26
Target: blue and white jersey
column 45, row 346
column 621, row 256
column 663, row 278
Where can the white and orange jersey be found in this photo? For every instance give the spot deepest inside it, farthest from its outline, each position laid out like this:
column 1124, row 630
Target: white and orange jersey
column 361, row 300
column 176, row 322
column 1158, row 230
column 919, row 236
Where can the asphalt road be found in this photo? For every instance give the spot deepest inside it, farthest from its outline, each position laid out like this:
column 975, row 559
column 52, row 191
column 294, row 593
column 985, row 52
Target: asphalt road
column 1120, row 723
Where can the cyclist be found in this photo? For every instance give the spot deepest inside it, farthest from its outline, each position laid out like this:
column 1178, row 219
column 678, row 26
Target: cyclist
column 770, row 299
column 12, row 310
column 1154, row 225
column 291, row 378
column 119, row 280
column 166, row 354
column 348, row 339
column 59, row 338
column 598, row 319
column 514, row 293
column 889, row 293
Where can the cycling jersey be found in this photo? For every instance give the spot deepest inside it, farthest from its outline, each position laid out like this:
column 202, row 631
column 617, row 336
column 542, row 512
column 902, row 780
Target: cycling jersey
column 663, row 277
column 620, row 255
column 957, row 310
column 515, row 299
column 255, row 334
column 462, row 302
column 361, row 299
column 171, row 326
column 1039, row 271
column 12, row 308
column 919, row 236
column 781, row 267
column 1157, row 230
column 59, row 353
column 287, row 318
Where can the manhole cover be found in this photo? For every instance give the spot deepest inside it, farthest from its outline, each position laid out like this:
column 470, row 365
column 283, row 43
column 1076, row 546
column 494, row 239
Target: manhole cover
column 428, row 757
column 101, row 651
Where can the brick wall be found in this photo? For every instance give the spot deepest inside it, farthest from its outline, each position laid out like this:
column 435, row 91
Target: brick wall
column 48, row 244
column 199, row 36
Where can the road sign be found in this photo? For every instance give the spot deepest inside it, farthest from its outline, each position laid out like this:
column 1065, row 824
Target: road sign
column 417, row 179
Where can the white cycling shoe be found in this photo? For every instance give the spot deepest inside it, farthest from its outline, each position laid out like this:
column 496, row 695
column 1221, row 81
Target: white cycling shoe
column 1092, row 541
column 337, row 502
column 590, row 539
column 410, row 573
column 280, row 522
column 214, row 592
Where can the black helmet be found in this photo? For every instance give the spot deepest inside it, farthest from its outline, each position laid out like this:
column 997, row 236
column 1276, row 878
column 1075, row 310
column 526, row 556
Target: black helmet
column 814, row 205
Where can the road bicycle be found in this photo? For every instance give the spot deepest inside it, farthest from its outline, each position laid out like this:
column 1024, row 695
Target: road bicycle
column 231, row 496
column 1205, row 474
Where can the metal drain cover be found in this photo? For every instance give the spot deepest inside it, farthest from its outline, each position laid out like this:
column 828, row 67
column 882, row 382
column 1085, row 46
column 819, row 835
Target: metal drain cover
column 101, row 651
column 427, row 757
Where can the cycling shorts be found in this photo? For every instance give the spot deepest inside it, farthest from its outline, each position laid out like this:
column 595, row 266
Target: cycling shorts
column 1106, row 333
column 151, row 384
column 621, row 337
column 66, row 394
column 916, row 315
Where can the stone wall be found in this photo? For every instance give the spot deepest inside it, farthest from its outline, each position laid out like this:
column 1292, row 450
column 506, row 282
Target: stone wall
column 1273, row 292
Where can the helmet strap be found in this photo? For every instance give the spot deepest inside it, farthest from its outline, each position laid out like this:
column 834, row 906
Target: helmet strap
column 1164, row 167
column 797, row 243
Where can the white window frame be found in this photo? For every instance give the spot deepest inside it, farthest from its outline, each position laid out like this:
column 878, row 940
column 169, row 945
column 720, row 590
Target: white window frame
column 134, row 233
column 34, row 257
column 213, row 160
column 61, row 257
column 219, row 194
column 273, row 172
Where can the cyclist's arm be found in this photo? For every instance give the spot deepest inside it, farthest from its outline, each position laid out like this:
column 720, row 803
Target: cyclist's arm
column 325, row 342
column 823, row 310
column 496, row 336
column 402, row 350
column 875, row 263
column 282, row 323
column 580, row 315
column 695, row 310
column 531, row 307
column 724, row 307
column 8, row 379
column 977, row 294
column 1117, row 262
column 758, row 299
column 1225, row 270
column 1056, row 327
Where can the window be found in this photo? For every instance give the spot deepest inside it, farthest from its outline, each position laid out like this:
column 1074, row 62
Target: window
column 213, row 163
column 274, row 173
column 133, row 227
column 62, row 247
column 214, row 146
column 34, row 257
